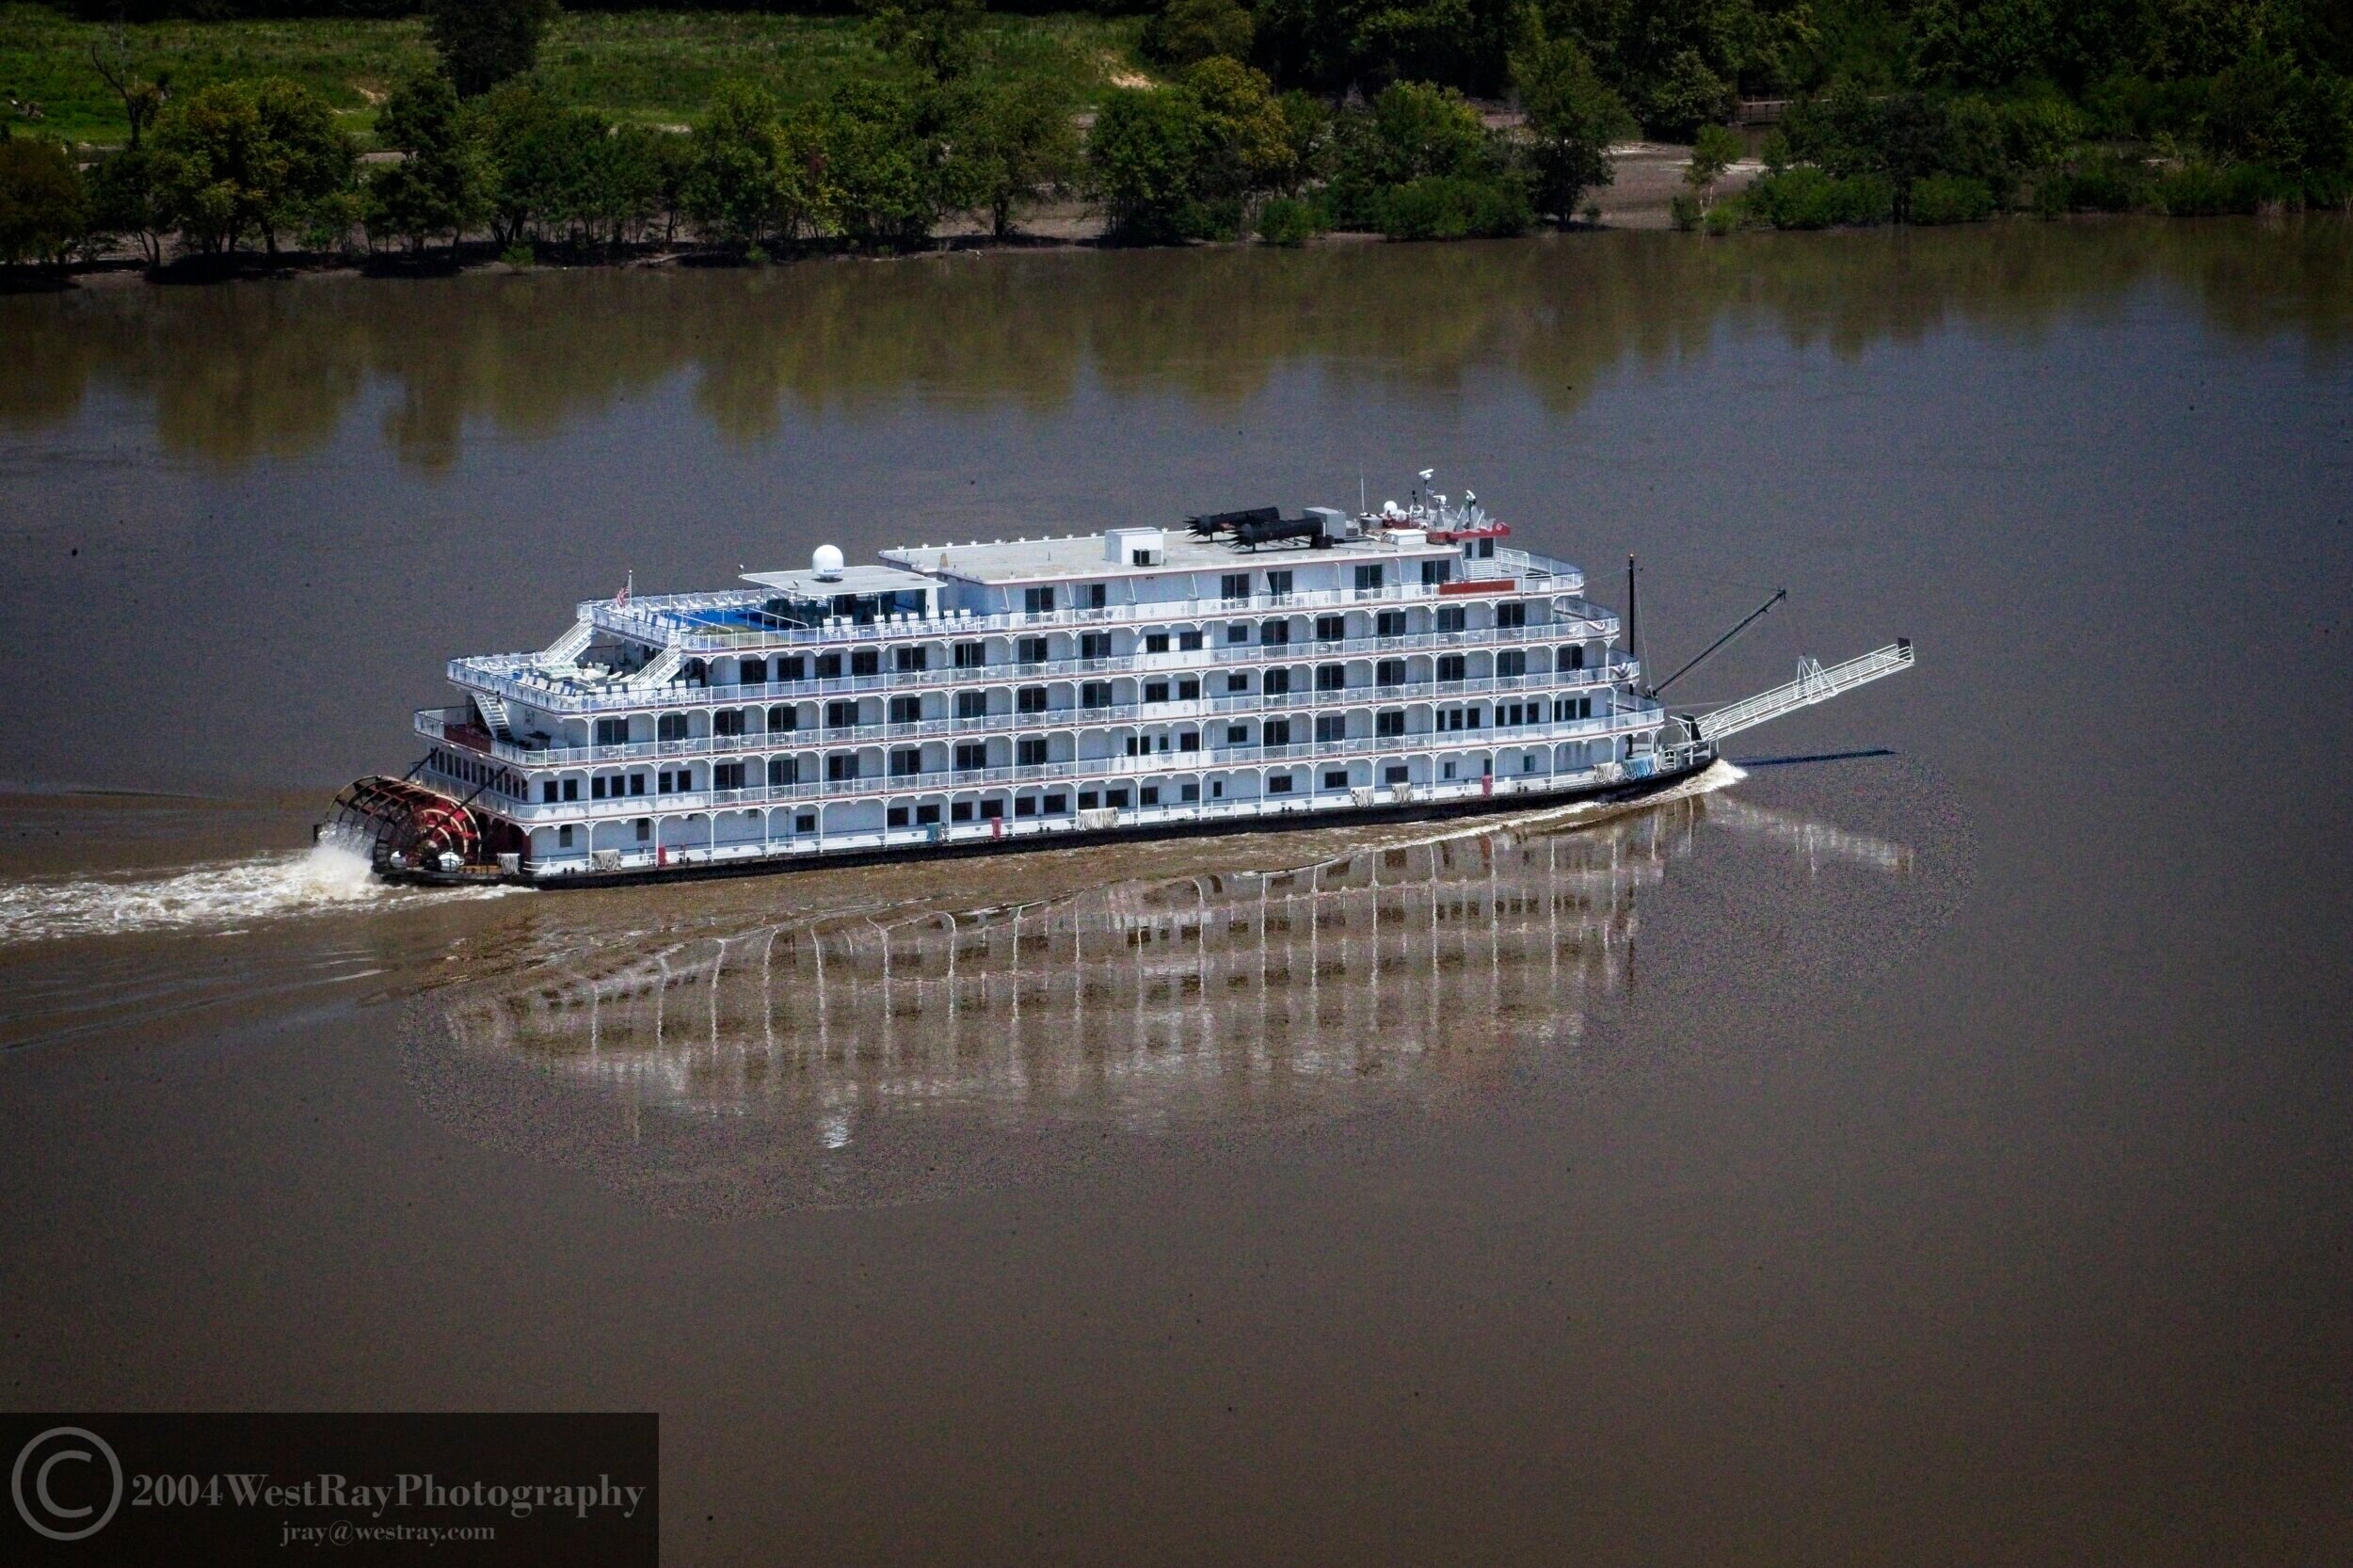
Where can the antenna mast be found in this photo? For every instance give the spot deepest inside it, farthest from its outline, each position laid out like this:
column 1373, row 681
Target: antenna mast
column 1633, row 618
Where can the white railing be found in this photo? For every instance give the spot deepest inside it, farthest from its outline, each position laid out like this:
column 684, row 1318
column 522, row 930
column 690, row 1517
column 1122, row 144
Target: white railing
column 1155, row 764
column 448, row 723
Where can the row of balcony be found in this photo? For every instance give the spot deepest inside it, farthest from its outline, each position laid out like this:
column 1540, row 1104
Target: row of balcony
column 1209, row 759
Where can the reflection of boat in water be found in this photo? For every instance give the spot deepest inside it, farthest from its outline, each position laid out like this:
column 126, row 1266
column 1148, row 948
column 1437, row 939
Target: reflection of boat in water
column 1417, row 964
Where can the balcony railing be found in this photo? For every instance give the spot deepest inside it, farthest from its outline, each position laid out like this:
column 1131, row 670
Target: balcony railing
column 455, row 725
column 1113, row 769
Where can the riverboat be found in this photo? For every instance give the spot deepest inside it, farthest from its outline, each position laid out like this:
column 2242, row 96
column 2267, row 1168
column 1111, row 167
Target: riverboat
column 1240, row 670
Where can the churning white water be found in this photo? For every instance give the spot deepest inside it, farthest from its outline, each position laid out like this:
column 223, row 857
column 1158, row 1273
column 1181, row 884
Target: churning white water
column 222, row 895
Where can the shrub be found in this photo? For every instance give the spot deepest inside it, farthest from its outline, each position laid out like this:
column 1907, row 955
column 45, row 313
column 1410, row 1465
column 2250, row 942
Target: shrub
column 1451, row 207
column 1724, row 217
column 1951, row 199
column 2107, row 183
column 1685, row 211
column 2202, row 189
column 1187, row 31
column 42, row 209
column 1806, row 197
column 1286, row 221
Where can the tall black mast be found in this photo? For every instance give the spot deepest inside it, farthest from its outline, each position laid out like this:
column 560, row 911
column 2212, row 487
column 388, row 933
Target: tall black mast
column 1633, row 619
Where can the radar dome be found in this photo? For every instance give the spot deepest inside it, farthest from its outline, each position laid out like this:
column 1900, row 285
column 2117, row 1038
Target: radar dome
column 825, row 562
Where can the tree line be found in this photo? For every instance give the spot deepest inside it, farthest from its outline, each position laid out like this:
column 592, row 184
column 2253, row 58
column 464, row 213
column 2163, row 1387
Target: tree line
column 1278, row 118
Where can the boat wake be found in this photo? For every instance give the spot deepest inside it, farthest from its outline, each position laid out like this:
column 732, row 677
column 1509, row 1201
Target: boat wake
column 220, row 898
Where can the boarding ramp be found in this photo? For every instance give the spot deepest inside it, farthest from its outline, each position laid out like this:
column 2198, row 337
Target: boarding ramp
column 1814, row 684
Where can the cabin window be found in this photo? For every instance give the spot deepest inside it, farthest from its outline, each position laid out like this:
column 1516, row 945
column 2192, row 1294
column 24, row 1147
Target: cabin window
column 907, row 761
column 1088, row 799
column 1094, row 694
column 1238, row 680
column 805, row 822
column 841, row 715
column 564, row 837
column 1149, row 794
column 1451, row 666
column 1275, row 683
column 1331, row 629
column 1030, row 751
column 972, row 705
column 727, row 776
column 960, row 811
column 895, row 816
column 571, row 788
column 547, row 792
column 840, row 765
column 1038, row 602
column 1093, row 596
column 645, row 828
column 866, row 661
column 1115, row 799
column 671, row 726
column 971, row 755
column 1029, row 700
column 927, row 815
column 1056, row 804
column 1275, row 732
column 612, row 733
column 971, row 656
column 727, row 721
column 1280, row 784
column 1274, row 632
column 1571, row 657
column 1278, row 584
column 792, row 667
column 1331, row 727
column 1449, row 618
column 1389, row 672
column 637, row 784
column 1433, row 572
column 782, row 718
column 1368, row 579
column 1189, row 689
column 1389, row 623
column 1156, row 642
column 1336, row 779
column 992, row 809
column 1188, row 642
column 829, row 667
column 1331, row 677
column 1236, row 734
column 1155, row 691
column 906, row 709
column 1512, row 661
column 1389, row 722
column 1394, row 774
column 1030, row 650
column 754, row 672
column 915, row 658
column 1512, row 613
column 1234, row 586
column 1238, row 632
column 1094, row 645
column 596, row 788
column 784, row 770
column 1025, row 806
column 1189, row 740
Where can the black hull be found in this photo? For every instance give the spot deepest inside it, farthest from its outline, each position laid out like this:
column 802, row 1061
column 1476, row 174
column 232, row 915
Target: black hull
column 1285, row 821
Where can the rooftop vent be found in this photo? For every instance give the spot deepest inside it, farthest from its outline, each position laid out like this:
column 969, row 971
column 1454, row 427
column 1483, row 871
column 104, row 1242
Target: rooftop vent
column 1136, row 547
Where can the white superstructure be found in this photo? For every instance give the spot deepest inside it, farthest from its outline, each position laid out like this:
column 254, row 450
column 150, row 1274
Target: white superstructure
column 1140, row 679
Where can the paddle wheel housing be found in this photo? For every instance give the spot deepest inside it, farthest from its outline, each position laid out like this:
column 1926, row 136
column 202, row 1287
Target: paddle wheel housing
column 405, row 825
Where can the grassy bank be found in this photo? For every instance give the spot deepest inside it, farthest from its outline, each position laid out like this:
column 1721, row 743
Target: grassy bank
column 652, row 68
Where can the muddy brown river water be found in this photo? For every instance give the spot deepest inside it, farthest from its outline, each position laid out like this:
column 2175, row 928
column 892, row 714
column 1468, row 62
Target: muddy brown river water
column 1924, row 1142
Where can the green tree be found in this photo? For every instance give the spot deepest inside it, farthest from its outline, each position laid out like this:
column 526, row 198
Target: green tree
column 439, row 186
column 1573, row 117
column 1018, row 143
column 44, row 213
column 1186, row 31
column 126, row 199
column 240, row 157
column 883, row 169
column 484, row 42
column 673, row 176
column 1142, row 158
column 756, row 172
column 1245, row 144
column 1713, row 151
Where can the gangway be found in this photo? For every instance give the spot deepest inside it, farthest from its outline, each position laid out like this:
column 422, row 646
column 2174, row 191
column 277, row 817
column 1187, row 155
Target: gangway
column 1814, row 684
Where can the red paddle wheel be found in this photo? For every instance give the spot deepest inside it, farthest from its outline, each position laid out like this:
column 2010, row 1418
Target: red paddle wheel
column 404, row 824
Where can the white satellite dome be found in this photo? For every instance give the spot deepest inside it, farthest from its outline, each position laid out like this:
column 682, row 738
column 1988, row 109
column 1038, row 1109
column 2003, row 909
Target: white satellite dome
column 825, row 561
